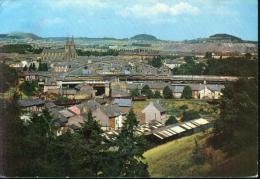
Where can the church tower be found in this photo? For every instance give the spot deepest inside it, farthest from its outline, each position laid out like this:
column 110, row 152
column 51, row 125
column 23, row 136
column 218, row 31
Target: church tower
column 70, row 49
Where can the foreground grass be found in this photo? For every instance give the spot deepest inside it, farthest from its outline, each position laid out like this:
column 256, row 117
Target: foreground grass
column 173, row 159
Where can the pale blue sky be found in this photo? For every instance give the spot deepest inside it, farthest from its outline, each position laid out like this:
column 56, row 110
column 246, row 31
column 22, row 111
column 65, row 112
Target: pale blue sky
column 166, row 19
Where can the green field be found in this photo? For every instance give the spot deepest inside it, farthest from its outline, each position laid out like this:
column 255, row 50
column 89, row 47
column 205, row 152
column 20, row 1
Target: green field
column 173, row 159
column 173, row 106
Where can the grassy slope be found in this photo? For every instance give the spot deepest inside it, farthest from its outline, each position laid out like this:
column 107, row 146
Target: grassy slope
column 174, row 159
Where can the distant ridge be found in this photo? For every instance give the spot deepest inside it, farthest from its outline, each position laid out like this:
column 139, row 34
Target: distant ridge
column 225, row 37
column 20, row 35
column 221, row 37
column 144, row 37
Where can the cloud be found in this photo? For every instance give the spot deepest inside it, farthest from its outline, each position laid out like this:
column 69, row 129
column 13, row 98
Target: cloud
column 158, row 9
column 78, row 3
column 52, row 21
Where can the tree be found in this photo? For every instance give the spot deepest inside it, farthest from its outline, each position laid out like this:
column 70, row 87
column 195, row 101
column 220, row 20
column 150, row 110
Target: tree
column 25, row 68
column 187, row 92
column 208, row 55
column 29, row 88
column 157, row 94
column 248, row 56
column 167, row 93
column 134, row 92
column 190, row 68
column 197, row 155
column 156, row 62
column 43, row 67
column 171, row 120
column 128, row 153
column 91, row 148
column 8, row 77
column 184, row 107
column 190, row 115
column 147, row 91
column 238, row 114
column 32, row 67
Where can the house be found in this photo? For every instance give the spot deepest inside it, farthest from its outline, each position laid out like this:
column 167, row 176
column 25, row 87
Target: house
column 132, row 86
column 119, row 89
column 109, row 117
column 123, row 102
column 75, row 109
column 210, row 91
column 124, row 106
column 32, row 105
column 51, row 87
column 119, row 93
column 66, row 113
column 69, row 93
column 30, row 76
column 59, row 120
column 84, row 107
column 84, row 91
column 154, row 111
column 177, row 91
column 173, row 63
column 75, row 122
column 50, row 105
column 206, row 91
column 61, row 67
column 195, row 90
column 156, row 86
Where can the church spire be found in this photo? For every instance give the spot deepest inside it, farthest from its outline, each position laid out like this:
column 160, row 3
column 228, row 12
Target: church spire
column 72, row 40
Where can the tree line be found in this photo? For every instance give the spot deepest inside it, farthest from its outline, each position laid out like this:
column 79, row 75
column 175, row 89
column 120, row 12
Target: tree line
column 167, row 92
column 109, row 52
column 33, row 148
column 229, row 66
column 21, row 49
column 32, row 67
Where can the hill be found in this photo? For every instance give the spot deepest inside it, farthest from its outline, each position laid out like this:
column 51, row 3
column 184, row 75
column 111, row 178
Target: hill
column 225, row 37
column 144, row 37
column 20, row 35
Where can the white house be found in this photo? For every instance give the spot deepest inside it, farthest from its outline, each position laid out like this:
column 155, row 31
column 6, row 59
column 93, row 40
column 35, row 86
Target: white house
column 154, row 111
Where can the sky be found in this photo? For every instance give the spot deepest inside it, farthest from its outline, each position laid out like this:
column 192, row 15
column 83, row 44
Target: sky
column 165, row 19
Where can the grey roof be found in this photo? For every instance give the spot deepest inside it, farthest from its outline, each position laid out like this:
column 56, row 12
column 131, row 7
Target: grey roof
column 91, row 104
column 215, row 87
column 111, row 110
column 83, row 86
column 53, row 50
column 212, row 87
column 58, row 116
column 156, row 85
column 134, row 86
column 123, row 102
column 50, row 105
column 119, row 93
column 30, row 102
column 66, row 113
column 159, row 107
column 196, row 87
column 177, row 89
